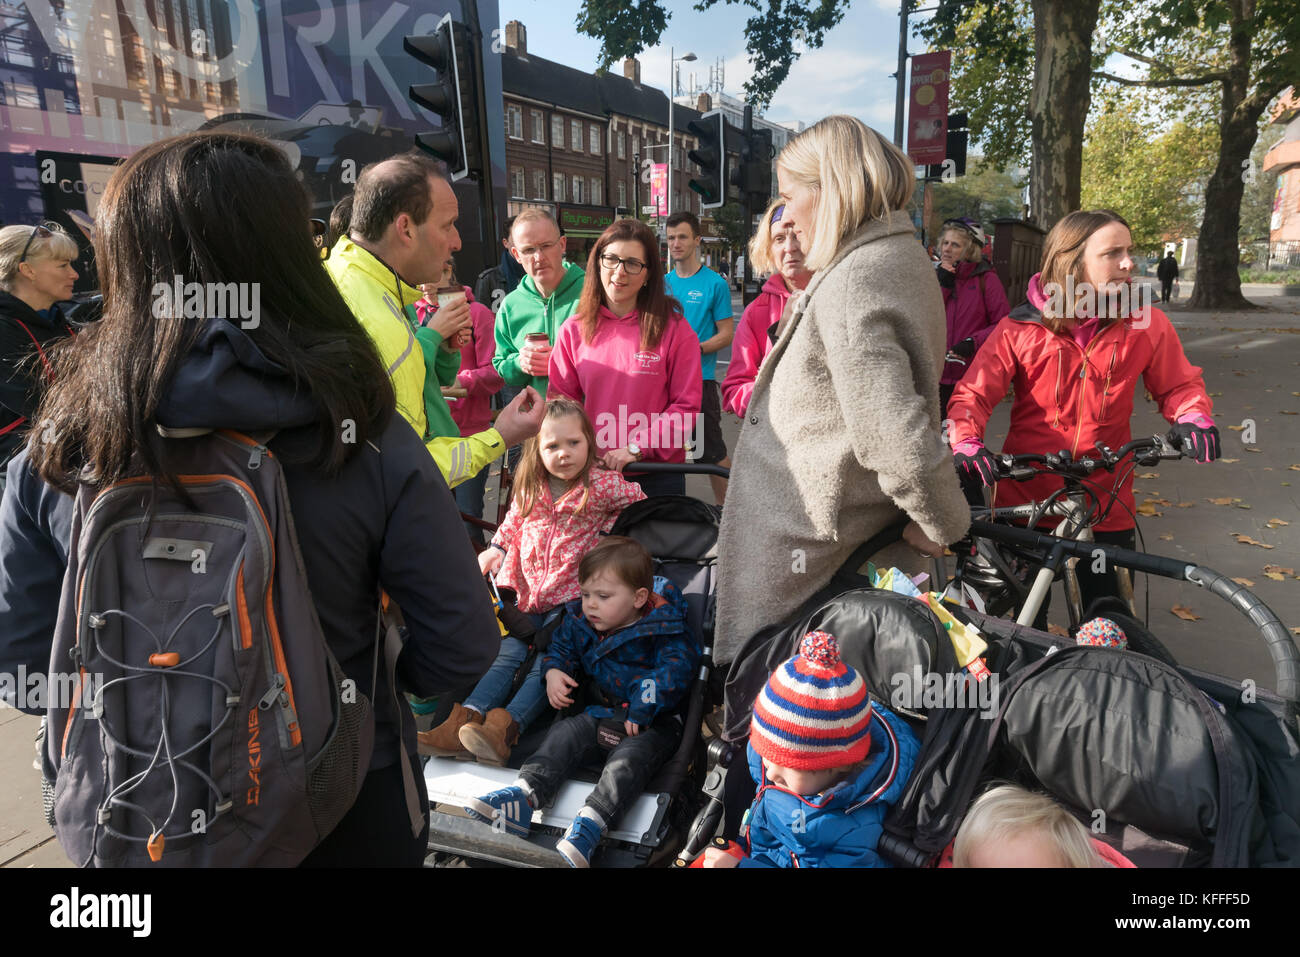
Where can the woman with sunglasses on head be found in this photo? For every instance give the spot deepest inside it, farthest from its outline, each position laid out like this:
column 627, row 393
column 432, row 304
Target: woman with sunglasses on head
column 36, row 275
column 774, row 249
column 972, row 296
column 630, row 358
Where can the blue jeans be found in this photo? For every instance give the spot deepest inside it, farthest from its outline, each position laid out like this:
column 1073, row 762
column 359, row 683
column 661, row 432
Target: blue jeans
column 491, row 691
column 469, row 499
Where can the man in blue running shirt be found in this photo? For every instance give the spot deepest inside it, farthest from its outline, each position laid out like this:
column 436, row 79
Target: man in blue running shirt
column 706, row 302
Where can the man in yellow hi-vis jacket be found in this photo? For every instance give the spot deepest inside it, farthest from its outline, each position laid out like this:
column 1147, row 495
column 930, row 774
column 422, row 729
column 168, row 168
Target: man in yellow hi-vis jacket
column 403, row 234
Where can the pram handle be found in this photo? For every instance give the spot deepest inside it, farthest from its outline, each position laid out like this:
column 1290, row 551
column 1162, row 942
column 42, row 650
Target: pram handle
column 675, row 468
column 1282, row 649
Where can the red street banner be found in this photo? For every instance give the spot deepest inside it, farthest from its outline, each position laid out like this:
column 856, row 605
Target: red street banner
column 927, row 114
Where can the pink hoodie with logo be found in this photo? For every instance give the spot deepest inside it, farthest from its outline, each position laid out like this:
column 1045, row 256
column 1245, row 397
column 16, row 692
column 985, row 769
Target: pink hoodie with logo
column 649, row 397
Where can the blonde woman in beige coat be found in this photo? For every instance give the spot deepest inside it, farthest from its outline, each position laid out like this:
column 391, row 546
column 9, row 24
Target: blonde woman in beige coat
column 842, row 435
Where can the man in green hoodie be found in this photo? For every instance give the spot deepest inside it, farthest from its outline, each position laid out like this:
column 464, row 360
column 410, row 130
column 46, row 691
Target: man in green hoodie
column 547, row 296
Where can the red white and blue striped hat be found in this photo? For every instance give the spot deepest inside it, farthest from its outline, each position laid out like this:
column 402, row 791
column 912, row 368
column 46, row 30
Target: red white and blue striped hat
column 814, row 712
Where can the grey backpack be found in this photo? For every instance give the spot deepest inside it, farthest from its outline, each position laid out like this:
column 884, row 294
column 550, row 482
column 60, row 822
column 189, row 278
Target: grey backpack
column 211, row 724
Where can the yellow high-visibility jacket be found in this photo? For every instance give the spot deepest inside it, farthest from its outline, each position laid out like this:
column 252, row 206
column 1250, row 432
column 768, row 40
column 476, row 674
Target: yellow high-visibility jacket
column 385, row 307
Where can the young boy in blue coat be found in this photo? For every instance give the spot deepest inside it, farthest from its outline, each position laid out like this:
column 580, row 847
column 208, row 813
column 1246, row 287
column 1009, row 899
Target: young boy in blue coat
column 828, row 763
column 629, row 634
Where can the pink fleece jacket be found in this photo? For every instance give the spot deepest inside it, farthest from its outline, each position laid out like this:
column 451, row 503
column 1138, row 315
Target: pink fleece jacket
column 544, row 548
column 752, row 343
column 649, row 397
column 474, row 412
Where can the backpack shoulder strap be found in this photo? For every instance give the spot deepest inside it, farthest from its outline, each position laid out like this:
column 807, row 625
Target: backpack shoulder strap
column 388, row 633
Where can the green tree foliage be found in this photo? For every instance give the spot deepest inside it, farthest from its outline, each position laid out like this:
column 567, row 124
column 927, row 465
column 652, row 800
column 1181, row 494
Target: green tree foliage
column 730, row 221
column 626, row 28
column 984, row 194
column 1155, row 180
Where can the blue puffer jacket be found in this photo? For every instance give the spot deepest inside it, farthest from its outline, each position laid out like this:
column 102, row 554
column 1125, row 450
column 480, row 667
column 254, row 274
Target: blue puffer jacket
column 647, row 665
column 840, row 827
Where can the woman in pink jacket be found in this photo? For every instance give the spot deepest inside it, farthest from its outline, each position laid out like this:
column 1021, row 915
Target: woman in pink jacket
column 774, row 249
column 630, row 358
column 473, row 412
column 973, row 298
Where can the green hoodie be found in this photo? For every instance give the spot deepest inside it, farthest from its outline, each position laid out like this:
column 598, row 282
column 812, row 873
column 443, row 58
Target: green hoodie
column 525, row 311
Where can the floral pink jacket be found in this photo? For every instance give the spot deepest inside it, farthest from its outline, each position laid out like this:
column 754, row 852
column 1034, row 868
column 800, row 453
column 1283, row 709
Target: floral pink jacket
column 543, row 550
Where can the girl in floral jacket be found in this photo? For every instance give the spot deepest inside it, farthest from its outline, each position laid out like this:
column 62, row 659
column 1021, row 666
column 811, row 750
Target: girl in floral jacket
column 561, row 505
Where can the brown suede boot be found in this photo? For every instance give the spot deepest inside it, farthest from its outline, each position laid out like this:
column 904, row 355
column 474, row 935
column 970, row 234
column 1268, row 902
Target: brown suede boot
column 492, row 740
column 442, row 741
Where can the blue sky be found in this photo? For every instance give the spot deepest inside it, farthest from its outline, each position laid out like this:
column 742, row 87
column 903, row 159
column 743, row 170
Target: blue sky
column 849, row 74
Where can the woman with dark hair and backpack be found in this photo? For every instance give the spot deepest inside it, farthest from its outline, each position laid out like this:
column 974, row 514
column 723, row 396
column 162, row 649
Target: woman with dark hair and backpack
column 370, row 507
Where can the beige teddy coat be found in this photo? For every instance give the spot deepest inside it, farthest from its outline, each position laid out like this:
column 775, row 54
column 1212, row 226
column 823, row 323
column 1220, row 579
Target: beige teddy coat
column 842, row 434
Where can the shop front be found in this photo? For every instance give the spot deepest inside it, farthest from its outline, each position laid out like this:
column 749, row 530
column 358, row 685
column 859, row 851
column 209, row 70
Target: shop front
column 582, row 225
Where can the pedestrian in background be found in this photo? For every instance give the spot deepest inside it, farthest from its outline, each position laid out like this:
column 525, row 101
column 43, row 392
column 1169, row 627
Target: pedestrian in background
column 973, row 298
column 774, row 249
column 36, row 275
column 705, row 299
column 1167, row 272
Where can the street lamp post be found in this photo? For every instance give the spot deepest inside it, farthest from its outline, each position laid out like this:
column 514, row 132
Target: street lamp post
column 672, row 95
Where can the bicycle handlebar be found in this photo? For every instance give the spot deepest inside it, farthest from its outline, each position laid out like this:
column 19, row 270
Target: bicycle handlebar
column 1146, row 451
column 675, row 468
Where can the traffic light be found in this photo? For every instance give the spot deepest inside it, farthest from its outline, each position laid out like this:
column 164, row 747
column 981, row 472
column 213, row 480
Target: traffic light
column 711, row 158
column 450, row 51
column 754, row 174
column 954, row 163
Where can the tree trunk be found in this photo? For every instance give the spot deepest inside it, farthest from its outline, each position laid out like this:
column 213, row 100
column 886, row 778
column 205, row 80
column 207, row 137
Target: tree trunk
column 1218, row 257
column 1058, row 105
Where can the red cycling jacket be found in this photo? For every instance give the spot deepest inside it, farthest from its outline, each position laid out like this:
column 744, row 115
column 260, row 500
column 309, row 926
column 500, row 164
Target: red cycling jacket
column 1073, row 397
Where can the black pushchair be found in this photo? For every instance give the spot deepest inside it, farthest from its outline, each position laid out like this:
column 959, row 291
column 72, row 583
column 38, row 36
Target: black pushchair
column 681, row 534
column 1170, row 766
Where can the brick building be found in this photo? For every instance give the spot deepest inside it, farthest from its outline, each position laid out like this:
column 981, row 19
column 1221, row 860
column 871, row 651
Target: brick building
column 573, row 139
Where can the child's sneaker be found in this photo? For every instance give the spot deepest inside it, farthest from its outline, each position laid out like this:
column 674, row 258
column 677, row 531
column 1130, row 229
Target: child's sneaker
column 579, row 841
column 505, row 808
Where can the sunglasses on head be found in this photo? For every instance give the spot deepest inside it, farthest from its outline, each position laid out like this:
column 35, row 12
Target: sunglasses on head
column 36, row 230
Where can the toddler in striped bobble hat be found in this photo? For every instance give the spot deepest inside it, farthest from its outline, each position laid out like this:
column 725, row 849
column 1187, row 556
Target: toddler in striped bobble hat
column 828, row 761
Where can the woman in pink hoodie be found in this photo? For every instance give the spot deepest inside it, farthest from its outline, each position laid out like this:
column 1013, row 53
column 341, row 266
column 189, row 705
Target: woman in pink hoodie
column 630, row 358
column 973, row 298
column 775, row 249
column 472, row 412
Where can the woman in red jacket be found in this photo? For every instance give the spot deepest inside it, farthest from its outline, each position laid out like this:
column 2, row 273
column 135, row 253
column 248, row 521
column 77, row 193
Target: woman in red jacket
column 775, row 248
column 1073, row 354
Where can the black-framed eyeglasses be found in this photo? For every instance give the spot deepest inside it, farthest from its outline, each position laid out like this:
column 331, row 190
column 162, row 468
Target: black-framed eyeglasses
column 319, row 233
column 36, row 230
column 632, row 267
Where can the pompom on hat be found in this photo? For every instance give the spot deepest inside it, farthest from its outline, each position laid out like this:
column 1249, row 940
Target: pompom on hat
column 814, row 712
column 1101, row 632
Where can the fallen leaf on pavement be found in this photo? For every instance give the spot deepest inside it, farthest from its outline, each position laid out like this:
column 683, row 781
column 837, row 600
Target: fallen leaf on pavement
column 1225, row 500
column 1244, row 581
column 1186, row 614
column 1271, row 570
column 1220, row 393
column 1229, row 461
column 1251, row 448
column 1146, row 508
column 1149, row 475
column 1241, row 505
column 1276, row 576
column 1275, row 523
column 1294, row 468
column 1287, row 412
column 1247, row 540
column 1058, row 631
column 1168, row 536
column 1237, row 428
column 1184, row 504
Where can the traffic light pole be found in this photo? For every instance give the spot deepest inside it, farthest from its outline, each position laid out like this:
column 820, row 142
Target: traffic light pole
column 488, row 207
